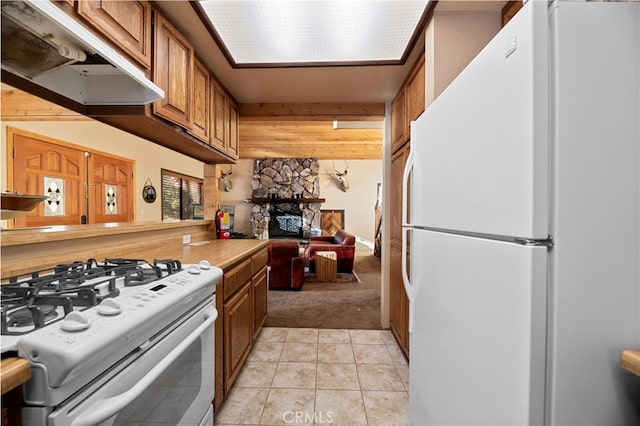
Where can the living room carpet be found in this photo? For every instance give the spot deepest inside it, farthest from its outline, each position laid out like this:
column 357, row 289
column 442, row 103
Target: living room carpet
column 346, row 305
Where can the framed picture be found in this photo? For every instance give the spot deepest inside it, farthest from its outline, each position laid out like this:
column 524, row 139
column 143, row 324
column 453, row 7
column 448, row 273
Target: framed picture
column 149, row 193
column 198, row 211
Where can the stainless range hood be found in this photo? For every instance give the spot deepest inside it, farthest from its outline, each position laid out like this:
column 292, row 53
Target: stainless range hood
column 43, row 44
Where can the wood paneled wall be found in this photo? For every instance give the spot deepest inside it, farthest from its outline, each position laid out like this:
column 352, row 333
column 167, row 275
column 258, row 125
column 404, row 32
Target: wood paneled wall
column 18, row 105
column 299, row 139
column 306, row 130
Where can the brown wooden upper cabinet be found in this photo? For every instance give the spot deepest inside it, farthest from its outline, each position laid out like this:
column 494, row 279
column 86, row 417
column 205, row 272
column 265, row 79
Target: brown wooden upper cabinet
column 201, row 101
column 193, row 100
column 173, row 72
column 125, row 23
column 232, row 145
column 509, row 10
column 224, row 122
column 415, row 94
column 398, row 120
column 220, row 122
column 408, row 104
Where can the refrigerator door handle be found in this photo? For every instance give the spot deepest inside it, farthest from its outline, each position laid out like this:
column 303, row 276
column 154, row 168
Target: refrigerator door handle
column 409, row 288
column 405, row 188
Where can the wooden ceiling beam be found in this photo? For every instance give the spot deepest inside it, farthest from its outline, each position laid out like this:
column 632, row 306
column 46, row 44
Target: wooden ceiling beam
column 274, row 139
column 313, row 111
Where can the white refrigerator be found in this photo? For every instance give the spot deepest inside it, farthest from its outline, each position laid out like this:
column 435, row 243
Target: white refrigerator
column 523, row 226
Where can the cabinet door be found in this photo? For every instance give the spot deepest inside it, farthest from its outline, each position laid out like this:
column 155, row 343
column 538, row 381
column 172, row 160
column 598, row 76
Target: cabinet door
column 201, row 101
column 260, row 299
column 415, row 95
column 238, row 333
column 173, row 72
column 398, row 121
column 232, row 140
column 219, row 124
column 125, row 23
column 398, row 160
column 398, row 302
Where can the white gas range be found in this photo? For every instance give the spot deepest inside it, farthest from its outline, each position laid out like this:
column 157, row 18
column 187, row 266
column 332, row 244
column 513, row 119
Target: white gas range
column 123, row 340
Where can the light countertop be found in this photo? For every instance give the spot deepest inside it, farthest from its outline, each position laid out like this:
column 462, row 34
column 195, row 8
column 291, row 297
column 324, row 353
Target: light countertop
column 630, row 360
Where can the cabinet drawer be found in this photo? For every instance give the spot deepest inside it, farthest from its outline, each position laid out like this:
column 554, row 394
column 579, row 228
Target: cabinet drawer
column 259, row 261
column 236, row 277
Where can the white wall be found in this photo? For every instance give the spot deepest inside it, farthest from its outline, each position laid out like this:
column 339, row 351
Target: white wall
column 358, row 202
column 241, row 176
column 149, row 157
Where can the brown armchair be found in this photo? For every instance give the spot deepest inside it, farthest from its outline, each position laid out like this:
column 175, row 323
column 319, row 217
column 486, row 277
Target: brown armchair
column 342, row 242
column 287, row 267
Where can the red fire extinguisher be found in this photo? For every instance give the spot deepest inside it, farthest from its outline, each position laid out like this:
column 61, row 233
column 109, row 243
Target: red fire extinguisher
column 223, row 225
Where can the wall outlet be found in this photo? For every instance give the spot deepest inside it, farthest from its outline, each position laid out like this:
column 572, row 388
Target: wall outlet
column 186, row 239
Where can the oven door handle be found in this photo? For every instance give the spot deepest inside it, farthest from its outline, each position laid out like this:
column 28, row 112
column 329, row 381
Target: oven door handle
column 106, row 408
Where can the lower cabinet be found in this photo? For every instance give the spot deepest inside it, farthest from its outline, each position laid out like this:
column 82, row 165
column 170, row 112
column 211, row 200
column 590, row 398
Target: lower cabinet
column 242, row 310
column 260, row 292
column 399, row 312
column 260, row 289
column 238, row 333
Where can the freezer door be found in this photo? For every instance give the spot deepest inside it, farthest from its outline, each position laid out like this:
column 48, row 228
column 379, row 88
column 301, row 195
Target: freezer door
column 480, row 151
column 478, row 342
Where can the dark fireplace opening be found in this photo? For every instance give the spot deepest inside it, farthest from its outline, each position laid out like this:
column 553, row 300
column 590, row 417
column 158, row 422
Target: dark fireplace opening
column 285, row 223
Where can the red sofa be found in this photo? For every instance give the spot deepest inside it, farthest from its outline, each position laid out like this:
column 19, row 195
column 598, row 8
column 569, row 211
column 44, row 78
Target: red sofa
column 342, row 242
column 287, row 267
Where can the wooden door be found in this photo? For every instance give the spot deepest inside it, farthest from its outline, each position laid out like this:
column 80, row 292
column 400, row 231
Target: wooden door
column 76, row 180
column 331, row 221
column 42, row 168
column 111, row 188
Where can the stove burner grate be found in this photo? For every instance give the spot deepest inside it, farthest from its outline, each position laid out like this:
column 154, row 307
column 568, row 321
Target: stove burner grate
column 73, row 285
column 28, row 316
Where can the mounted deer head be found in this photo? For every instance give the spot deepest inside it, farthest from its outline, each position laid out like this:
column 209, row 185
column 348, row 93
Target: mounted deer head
column 342, row 177
column 225, row 181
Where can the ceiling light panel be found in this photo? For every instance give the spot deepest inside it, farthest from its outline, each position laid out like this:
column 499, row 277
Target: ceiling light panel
column 313, row 31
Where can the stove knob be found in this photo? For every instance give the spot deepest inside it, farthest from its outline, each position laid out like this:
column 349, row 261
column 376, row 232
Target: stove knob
column 204, row 264
column 75, row 321
column 109, row 307
column 194, row 270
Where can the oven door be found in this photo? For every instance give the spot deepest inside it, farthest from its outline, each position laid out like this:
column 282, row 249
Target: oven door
column 172, row 383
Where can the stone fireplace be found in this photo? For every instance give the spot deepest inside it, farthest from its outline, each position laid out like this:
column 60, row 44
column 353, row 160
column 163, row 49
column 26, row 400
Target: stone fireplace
column 286, row 221
column 285, row 195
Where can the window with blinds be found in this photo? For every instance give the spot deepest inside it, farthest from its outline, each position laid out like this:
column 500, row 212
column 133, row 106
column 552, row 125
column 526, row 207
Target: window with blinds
column 179, row 194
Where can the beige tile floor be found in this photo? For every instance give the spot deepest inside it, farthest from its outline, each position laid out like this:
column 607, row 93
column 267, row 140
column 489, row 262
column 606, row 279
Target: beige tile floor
column 309, row 376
